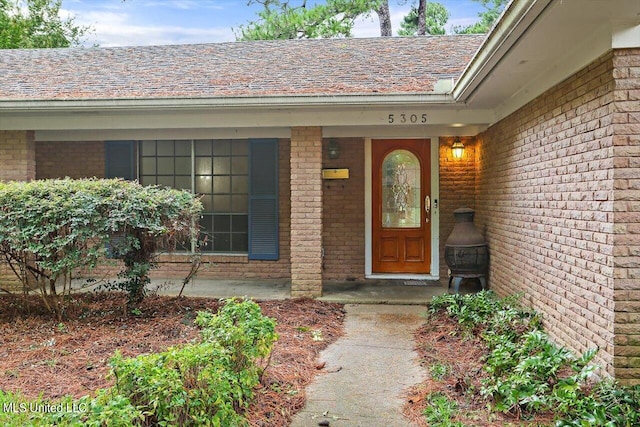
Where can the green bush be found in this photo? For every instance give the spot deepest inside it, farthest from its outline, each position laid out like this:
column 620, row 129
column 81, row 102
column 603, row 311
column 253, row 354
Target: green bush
column 51, row 228
column 206, row 383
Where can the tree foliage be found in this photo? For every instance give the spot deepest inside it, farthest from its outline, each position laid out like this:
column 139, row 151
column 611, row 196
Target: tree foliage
column 51, row 228
column 36, row 24
column 282, row 20
column 487, row 18
column 436, row 16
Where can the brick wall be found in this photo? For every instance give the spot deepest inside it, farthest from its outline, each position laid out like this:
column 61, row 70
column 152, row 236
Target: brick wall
column 343, row 214
column 17, row 151
column 306, row 211
column 457, row 189
column 70, row 159
column 17, row 163
column 545, row 201
column 626, row 181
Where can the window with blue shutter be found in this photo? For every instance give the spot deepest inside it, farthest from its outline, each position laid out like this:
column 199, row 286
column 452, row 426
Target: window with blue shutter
column 263, row 199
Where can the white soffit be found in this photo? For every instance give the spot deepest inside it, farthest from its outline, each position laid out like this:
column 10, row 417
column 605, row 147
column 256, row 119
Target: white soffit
column 560, row 38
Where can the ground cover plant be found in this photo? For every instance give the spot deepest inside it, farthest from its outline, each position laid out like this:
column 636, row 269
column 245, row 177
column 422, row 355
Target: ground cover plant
column 170, row 363
column 491, row 364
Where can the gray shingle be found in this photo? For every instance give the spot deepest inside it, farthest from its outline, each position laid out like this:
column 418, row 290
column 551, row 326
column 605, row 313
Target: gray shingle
column 387, row 65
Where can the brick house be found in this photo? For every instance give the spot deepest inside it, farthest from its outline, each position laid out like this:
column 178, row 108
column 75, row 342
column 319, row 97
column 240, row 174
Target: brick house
column 547, row 107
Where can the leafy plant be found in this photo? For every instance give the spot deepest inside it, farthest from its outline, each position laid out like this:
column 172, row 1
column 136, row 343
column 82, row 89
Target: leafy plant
column 203, row 383
column 440, row 410
column 527, row 372
column 49, row 229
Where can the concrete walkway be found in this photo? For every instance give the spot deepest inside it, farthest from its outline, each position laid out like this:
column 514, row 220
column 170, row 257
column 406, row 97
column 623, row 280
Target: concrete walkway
column 367, row 370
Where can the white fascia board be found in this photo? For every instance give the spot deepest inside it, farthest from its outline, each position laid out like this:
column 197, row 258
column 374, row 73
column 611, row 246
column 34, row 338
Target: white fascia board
column 400, row 115
column 227, row 102
column 515, row 20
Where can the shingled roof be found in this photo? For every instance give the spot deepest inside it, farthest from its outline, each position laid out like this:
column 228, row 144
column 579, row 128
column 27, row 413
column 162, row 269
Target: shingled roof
column 384, row 65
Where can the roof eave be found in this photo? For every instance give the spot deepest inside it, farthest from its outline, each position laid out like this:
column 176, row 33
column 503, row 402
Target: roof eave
column 229, row 102
column 513, row 22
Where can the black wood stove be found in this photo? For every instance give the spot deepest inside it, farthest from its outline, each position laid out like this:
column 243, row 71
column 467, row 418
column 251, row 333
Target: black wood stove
column 465, row 251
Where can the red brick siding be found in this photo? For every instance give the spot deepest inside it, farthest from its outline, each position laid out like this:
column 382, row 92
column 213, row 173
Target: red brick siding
column 17, row 151
column 545, row 201
column 457, row 189
column 343, row 213
column 306, row 211
column 626, row 181
column 70, row 159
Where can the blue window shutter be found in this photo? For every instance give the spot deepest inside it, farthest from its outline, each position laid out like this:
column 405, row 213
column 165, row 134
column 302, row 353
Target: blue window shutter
column 120, row 160
column 263, row 199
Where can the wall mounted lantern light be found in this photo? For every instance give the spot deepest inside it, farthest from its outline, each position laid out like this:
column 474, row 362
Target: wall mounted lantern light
column 457, row 148
column 333, row 149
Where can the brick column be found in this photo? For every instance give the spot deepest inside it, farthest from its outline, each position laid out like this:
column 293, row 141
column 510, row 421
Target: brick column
column 626, row 228
column 17, row 156
column 306, row 212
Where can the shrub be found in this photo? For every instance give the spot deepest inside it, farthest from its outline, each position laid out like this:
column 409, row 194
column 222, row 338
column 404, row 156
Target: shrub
column 204, row 383
column 51, row 228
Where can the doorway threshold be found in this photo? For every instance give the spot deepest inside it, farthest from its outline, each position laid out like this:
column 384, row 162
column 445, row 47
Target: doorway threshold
column 398, row 276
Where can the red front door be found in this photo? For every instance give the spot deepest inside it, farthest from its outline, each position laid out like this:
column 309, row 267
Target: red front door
column 401, row 227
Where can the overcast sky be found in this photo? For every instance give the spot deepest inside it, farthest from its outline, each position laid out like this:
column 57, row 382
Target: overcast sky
column 147, row 22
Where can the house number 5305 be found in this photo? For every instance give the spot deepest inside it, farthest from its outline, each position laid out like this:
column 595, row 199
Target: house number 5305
column 408, row 118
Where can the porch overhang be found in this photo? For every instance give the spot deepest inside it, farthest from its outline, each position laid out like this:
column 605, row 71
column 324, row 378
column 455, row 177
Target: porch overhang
column 341, row 115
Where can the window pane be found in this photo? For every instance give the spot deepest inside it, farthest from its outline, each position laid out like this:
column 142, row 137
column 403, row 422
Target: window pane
column 239, row 224
column 183, row 148
column 207, row 203
column 239, row 165
column 222, row 165
column 222, row 223
column 203, row 166
column 240, row 184
column 203, row 147
column 148, row 180
column 221, row 242
column 165, row 148
column 240, row 148
column 207, row 229
column 222, row 204
column 148, row 148
column 221, row 148
column 183, row 183
column 221, row 184
column 166, row 181
column 239, row 203
column 203, row 184
column 165, row 166
column 183, row 166
column 148, row 166
column 239, row 242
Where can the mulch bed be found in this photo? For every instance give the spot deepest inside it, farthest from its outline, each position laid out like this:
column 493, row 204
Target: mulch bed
column 441, row 341
column 39, row 355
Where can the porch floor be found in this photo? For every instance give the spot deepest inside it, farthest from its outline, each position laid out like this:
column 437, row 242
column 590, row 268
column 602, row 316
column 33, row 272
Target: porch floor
column 346, row 292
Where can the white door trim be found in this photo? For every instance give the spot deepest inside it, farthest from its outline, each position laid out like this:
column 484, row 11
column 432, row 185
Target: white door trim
column 435, row 216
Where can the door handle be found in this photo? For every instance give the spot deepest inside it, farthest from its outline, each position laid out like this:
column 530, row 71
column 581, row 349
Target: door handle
column 427, row 207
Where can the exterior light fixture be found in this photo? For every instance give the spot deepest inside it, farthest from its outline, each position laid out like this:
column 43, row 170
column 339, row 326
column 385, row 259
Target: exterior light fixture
column 457, row 148
column 333, row 149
